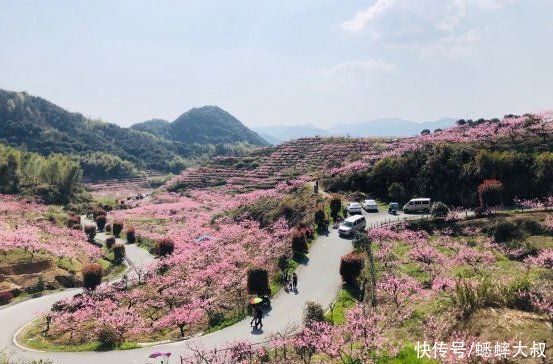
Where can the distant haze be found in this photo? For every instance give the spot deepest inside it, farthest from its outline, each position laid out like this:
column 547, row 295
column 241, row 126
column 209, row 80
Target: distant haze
column 380, row 127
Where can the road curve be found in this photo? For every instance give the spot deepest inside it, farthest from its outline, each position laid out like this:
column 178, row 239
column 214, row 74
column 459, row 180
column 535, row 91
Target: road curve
column 319, row 281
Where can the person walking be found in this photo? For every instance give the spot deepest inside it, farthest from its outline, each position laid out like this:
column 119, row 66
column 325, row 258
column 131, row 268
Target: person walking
column 259, row 318
column 295, row 281
column 254, row 314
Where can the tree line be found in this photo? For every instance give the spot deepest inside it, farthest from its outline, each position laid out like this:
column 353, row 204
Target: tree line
column 452, row 173
column 54, row 178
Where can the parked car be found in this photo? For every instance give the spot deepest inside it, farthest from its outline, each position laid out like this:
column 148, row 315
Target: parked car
column 351, row 225
column 370, row 205
column 417, row 205
column 354, row 208
column 393, row 207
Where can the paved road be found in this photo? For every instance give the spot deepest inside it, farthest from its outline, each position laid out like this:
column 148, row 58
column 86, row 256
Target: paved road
column 319, row 281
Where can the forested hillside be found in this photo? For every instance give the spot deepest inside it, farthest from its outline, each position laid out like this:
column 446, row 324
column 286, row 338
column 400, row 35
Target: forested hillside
column 204, row 125
column 54, row 179
column 37, row 125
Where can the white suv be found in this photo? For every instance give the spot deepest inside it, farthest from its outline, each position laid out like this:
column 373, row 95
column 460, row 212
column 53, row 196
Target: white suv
column 370, row 205
column 354, row 208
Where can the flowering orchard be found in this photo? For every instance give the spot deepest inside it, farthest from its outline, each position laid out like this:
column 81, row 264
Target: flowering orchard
column 422, row 289
column 24, row 226
column 200, row 284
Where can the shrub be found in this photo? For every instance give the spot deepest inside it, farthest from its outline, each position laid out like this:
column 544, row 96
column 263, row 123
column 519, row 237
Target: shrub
column 335, row 207
column 351, row 266
column 101, row 222
column 490, row 193
column 283, row 263
column 309, row 232
column 320, row 219
column 5, row 298
column 110, row 241
column 92, row 276
column 439, row 210
column 74, row 221
column 98, row 211
column 107, row 337
column 118, row 252
column 313, row 312
column 131, row 235
column 504, row 231
column 299, row 243
column 117, row 227
column 90, row 231
column 258, row 281
column 165, row 247
column 532, row 227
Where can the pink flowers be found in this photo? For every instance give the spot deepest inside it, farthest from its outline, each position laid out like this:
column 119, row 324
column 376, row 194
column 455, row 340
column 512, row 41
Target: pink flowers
column 23, row 226
column 544, row 259
column 398, row 289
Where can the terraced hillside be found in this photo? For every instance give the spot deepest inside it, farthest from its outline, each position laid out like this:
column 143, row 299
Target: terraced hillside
column 267, row 167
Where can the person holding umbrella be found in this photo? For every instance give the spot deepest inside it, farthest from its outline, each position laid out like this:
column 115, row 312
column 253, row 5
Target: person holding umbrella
column 255, row 304
column 259, row 317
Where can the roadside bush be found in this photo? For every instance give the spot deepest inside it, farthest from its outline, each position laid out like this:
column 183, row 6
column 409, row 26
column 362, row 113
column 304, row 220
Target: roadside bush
column 439, row 210
column 299, row 244
column 107, row 337
column 92, row 276
column 335, row 207
column 118, row 253
column 504, row 231
column 283, row 263
column 421, row 224
column 258, row 282
column 101, row 222
column 131, row 235
column 490, row 193
column 321, row 220
column 351, row 266
column 117, row 227
column 90, row 231
column 5, row 298
column 308, row 232
column 98, row 211
column 110, row 241
column 74, row 222
column 165, row 247
column 313, row 312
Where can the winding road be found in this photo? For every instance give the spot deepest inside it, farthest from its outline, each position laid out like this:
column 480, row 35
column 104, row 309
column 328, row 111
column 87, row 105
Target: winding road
column 319, row 281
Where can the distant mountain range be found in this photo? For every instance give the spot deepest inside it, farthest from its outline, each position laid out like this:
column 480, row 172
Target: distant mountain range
column 37, row 125
column 389, row 127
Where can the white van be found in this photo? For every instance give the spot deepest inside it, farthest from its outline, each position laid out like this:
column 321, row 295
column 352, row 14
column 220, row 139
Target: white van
column 417, row 205
column 352, row 224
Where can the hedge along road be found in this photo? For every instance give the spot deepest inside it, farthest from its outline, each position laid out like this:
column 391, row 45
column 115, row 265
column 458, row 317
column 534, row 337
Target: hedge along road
column 318, row 280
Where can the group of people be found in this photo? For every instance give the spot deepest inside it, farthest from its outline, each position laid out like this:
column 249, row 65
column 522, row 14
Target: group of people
column 257, row 320
column 290, row 281
column 290, row 284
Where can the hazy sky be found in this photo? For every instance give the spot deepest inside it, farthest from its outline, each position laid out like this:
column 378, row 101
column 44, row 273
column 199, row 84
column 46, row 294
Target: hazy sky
column 282, row 62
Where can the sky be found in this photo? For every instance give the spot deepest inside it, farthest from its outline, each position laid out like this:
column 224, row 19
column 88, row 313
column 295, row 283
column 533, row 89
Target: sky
column 285, row 62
